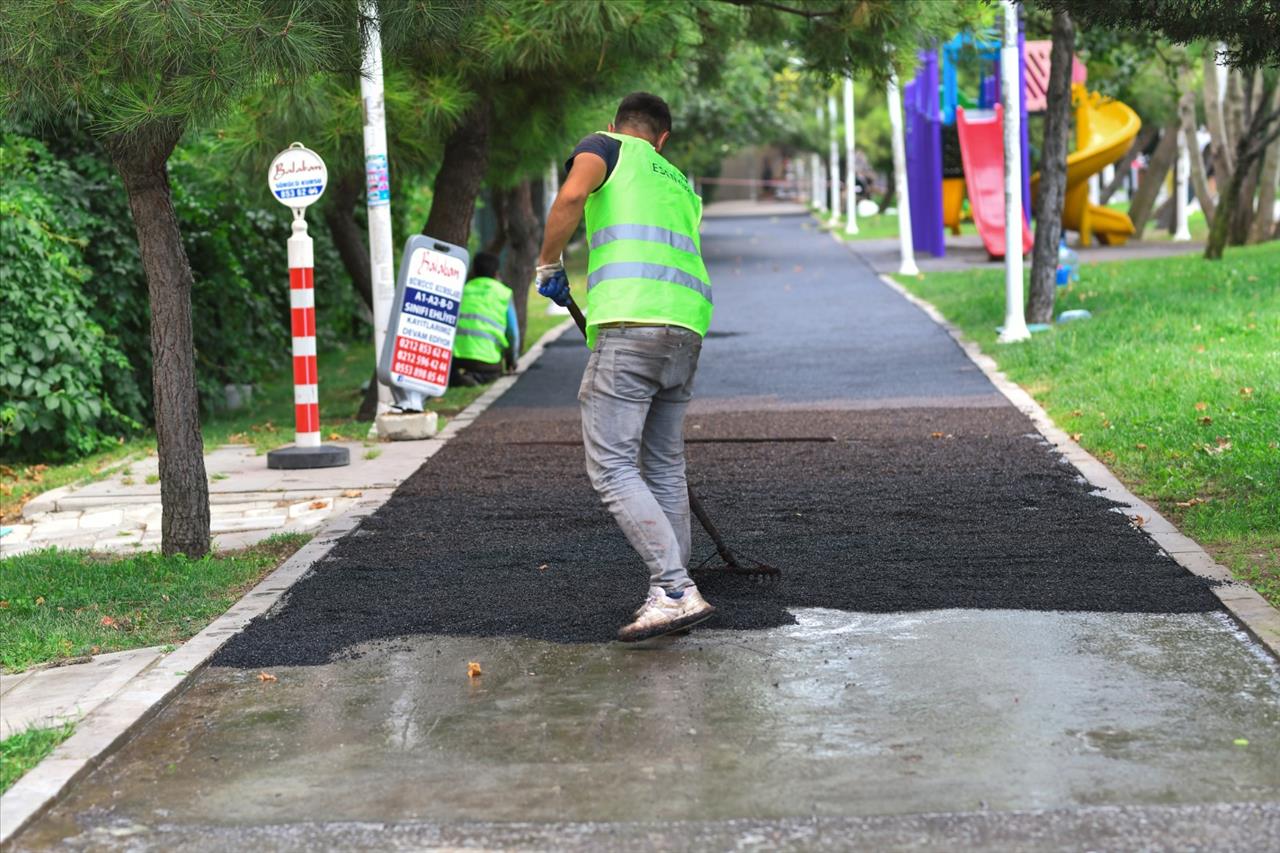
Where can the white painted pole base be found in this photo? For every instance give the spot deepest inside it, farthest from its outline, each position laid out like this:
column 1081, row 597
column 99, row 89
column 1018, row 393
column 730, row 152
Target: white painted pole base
column 905, row 246
column 1015, row 324
column 850, row 170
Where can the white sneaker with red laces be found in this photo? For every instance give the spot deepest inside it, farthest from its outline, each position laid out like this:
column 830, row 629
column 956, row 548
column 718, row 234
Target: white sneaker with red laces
column 661, row 614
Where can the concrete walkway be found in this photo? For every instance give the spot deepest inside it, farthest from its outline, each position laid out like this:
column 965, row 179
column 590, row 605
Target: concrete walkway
column 967, row 650
column 966, row 252
column 248, row 501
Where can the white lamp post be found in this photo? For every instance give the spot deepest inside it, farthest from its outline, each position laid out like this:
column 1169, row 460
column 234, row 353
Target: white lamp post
column 850, row 173
column 907, row 265
column 834, row 157
column 1015, row 324
column 378, row 177
column 1182, row 171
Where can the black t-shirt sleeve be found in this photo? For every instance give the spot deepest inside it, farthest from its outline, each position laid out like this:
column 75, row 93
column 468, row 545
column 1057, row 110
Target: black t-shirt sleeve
column 605, row 147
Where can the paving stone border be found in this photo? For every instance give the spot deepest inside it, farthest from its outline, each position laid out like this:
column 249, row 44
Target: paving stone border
column 118, row 718
column 1242, row 602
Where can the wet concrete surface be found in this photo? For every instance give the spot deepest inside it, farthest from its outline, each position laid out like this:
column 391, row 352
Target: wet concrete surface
column 837, row 715
column 964, row 637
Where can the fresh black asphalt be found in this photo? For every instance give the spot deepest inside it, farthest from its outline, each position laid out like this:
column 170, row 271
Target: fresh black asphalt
column 916, row 486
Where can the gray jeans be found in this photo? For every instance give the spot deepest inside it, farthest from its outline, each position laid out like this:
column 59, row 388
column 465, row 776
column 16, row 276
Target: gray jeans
column 634, row 393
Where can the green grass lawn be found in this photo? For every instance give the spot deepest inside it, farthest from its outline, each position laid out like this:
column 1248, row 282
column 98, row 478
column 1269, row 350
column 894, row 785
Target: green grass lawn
column 68, row 604
column 1174, row 384
column 20, row 752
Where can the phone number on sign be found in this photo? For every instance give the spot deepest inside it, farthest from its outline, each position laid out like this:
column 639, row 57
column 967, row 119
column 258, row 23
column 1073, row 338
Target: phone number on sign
column 421, row 361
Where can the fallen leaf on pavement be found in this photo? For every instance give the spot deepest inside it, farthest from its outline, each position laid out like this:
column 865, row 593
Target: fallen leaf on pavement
column 265, row 677
column 1076, row 436
column 1138, row 520
column 935, row 435
column 473, row 670
column 352, row 493
column 1241, row 741
column 317, row 505
column 543, row 567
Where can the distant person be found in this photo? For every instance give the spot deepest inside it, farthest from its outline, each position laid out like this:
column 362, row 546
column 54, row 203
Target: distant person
column 648, row 306
column 488, row 337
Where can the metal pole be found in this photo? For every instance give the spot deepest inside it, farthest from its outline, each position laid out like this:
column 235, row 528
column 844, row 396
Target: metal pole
column 552, row 188
column 302, row 305
column 819, row 178
column 833, row 141
column 377, row 176
column 1182, row 171
column 850, row 173
column 1015, row 324
column 907, row 266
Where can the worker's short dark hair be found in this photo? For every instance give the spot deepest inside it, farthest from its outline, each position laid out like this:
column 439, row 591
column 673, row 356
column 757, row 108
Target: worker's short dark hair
column 485, row 265
column 644, row 111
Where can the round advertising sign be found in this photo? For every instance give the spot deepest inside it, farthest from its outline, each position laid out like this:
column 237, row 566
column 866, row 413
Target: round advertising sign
column 297, row 176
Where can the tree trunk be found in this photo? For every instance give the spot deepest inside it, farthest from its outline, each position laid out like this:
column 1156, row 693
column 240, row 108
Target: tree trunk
column 1233, row 114
column 524, row 239
column 339, row 216
column 1214, row 121
column 1140, row 143
column 1157, row 168
column 1053, row 173
column 466, row 158
column 1222, row 223
column 1264, row 220
column 1263, row 100
column 184, row 487
column 1187, row 115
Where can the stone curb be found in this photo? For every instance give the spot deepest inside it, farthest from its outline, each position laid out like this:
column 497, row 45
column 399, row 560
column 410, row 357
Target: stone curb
column 117, row 719
column 1243, row 603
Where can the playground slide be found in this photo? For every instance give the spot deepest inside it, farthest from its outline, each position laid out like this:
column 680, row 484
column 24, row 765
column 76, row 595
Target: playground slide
column 1104, row 131
column 982, row 151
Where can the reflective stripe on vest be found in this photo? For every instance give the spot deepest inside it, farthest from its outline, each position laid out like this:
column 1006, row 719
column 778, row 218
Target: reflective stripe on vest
column 482, row 321
column 642, row 229
column 655, row 272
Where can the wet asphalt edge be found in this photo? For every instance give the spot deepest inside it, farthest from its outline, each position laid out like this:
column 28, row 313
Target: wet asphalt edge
column 1242, row 602
column 113, row 723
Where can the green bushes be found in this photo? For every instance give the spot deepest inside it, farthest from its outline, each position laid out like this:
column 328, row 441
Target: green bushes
column 53, row 356
column 75, row 353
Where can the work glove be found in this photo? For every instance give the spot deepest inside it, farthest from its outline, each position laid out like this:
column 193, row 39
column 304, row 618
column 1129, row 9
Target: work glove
column 553, row 283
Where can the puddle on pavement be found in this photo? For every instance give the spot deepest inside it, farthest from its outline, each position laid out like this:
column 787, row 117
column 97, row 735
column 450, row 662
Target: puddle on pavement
column 839, row 714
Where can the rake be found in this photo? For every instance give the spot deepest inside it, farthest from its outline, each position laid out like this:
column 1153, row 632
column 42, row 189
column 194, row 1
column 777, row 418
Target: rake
column 733, row 564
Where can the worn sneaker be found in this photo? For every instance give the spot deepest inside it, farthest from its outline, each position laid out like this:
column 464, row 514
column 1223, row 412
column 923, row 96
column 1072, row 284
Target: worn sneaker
column 661, row 614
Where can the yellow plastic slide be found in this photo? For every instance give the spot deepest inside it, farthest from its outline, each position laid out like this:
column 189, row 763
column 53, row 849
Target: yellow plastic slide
column 1105, row 129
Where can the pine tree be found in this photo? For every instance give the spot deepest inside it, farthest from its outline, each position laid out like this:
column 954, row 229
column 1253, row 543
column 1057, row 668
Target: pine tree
column 138, row 75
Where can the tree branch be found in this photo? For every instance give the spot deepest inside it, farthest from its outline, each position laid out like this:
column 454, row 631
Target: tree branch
column 804, row 13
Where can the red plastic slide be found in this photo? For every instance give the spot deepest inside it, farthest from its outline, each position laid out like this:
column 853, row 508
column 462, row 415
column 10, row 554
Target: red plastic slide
column 982, row 151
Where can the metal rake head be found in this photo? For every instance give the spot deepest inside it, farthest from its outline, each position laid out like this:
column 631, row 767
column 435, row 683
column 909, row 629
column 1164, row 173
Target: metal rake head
column 731, row 564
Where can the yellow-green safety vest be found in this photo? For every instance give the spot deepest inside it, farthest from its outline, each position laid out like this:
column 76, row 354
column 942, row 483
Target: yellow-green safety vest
column 645, row 253
column 482, row 320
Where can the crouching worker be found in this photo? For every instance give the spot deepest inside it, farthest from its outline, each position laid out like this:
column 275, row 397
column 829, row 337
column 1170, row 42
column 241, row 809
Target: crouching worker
column 488, row 335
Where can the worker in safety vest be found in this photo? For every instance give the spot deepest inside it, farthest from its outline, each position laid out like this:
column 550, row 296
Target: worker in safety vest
column 488, row 335
column 648, row 306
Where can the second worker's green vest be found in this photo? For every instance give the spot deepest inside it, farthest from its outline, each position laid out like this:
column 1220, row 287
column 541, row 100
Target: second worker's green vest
column 645, row 253
column 482, row 321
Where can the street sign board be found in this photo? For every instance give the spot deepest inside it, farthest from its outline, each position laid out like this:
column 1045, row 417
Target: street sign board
column 418, row 349
column 297, row 176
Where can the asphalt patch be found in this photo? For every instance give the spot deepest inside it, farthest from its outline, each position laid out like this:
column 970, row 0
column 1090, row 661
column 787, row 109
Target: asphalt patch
column 907, row 510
